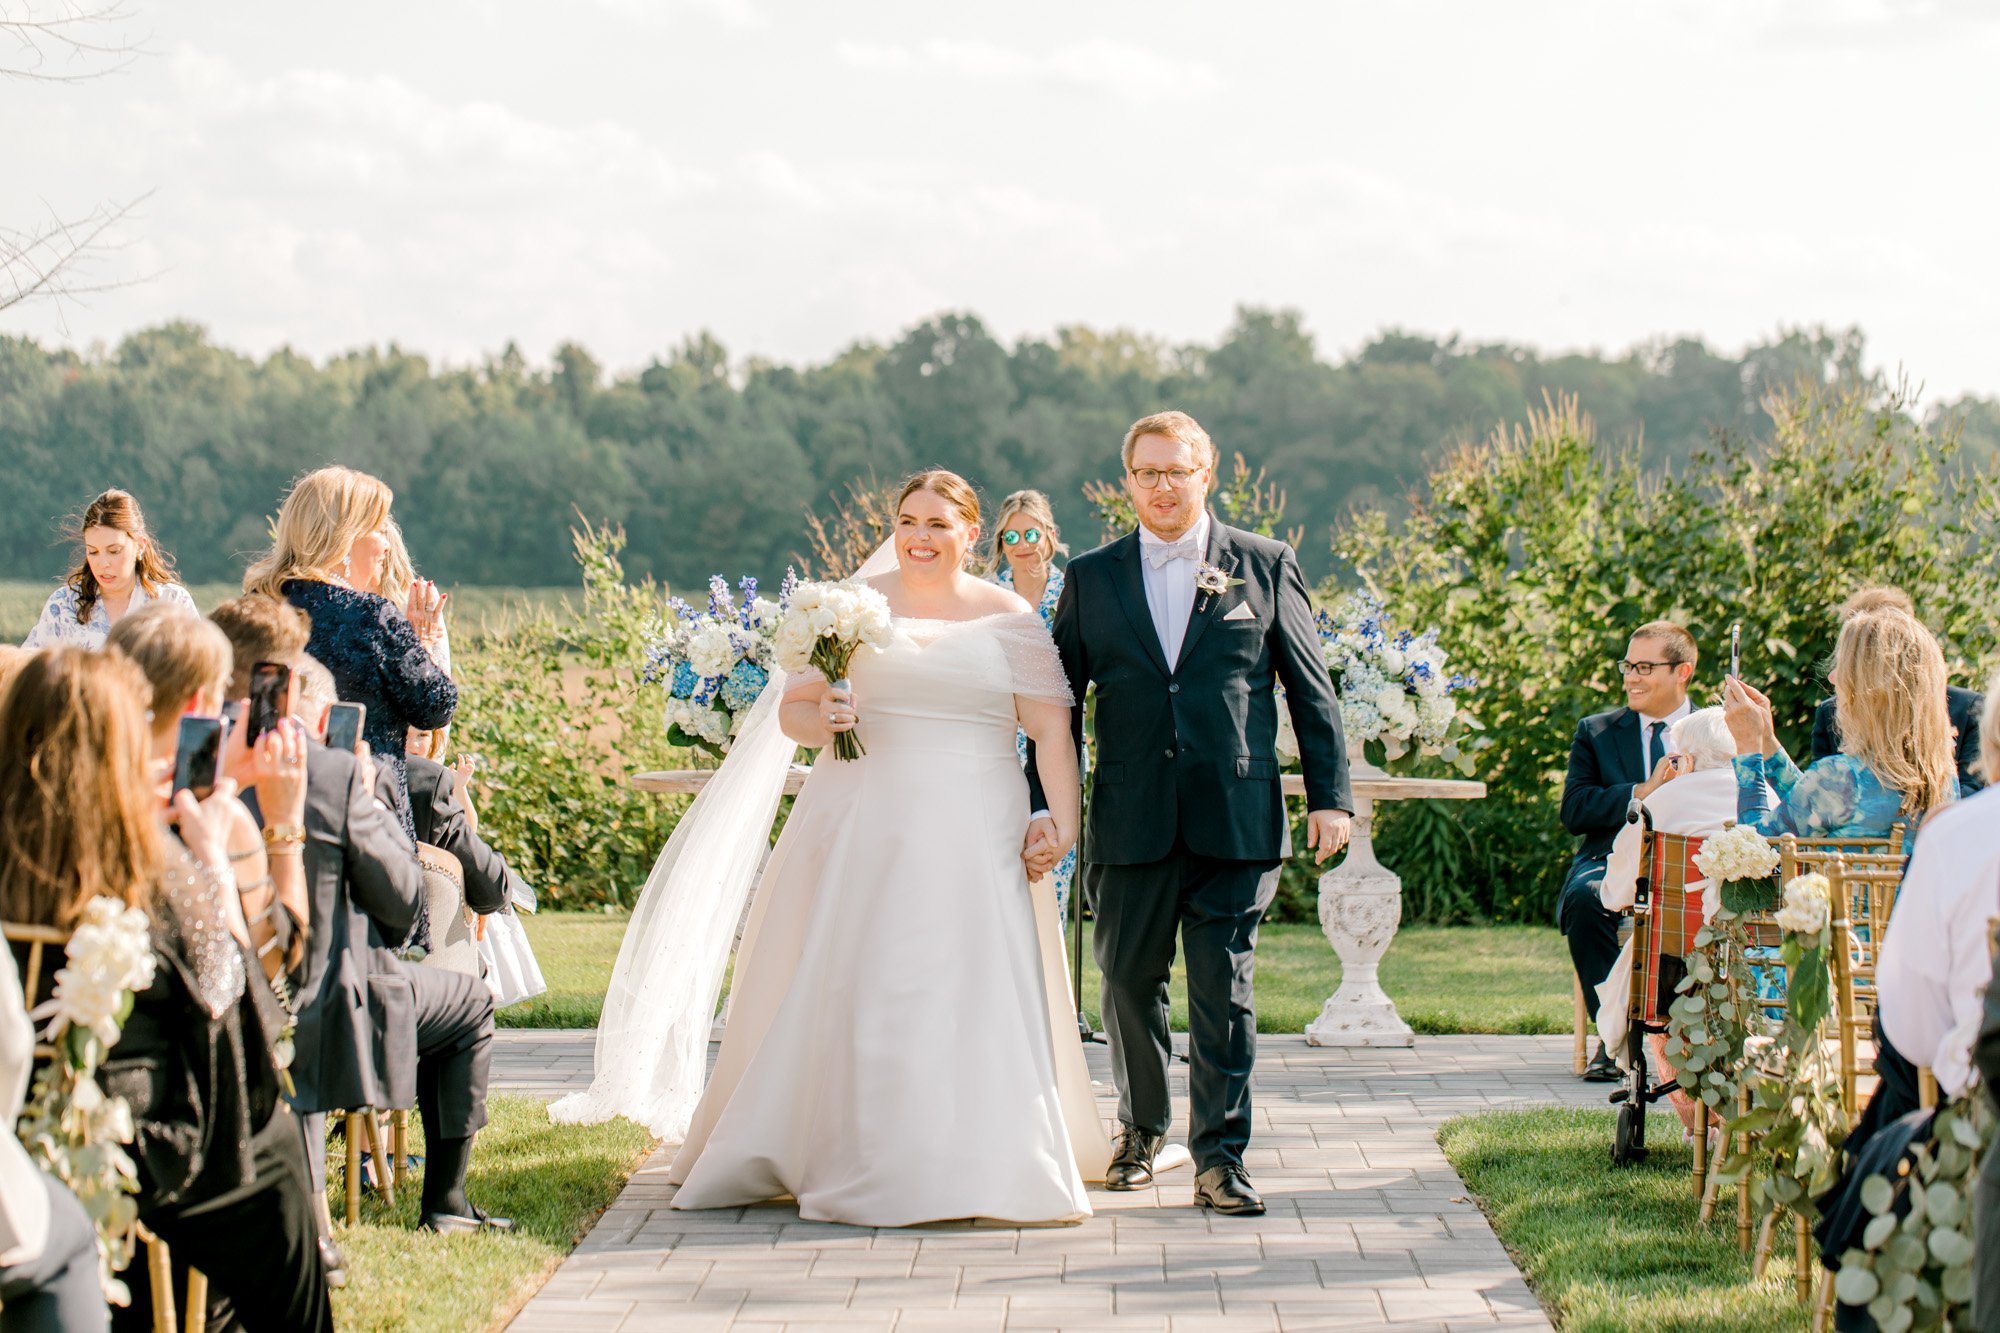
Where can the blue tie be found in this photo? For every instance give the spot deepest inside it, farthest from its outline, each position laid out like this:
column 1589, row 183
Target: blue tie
column 1656, row 748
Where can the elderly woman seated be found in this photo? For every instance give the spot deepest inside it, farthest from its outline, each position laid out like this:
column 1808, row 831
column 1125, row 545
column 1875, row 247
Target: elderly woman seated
column 1698, row 800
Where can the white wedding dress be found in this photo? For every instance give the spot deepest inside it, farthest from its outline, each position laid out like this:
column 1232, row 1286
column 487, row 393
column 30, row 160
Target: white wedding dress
column 901, row 1045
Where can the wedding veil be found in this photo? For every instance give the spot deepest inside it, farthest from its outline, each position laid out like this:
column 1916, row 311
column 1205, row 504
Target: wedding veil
column 651, row 1056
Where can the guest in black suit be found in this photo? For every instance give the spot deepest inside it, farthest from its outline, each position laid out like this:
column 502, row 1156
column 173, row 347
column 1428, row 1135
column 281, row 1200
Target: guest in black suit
column 373, row 1030
column 1963, row 705
column 442, row 821
column 1618, row 757
column 1184, row 626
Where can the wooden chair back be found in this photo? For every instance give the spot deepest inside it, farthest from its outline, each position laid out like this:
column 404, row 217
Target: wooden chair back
column 1863, row 893
column 32, row 945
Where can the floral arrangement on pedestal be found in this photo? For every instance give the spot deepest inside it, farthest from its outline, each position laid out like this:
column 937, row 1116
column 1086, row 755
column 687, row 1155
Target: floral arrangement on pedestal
column 70, row 1125
column 713, row 663
column 1394, row 687
column 823, row 626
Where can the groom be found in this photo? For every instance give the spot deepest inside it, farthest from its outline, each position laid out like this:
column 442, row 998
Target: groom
column 1182, row 627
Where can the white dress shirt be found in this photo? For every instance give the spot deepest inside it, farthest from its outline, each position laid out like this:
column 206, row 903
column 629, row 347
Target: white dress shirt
column 1170, row 588
column 1930, row 980
column 24, row 1200
column 1666, row 737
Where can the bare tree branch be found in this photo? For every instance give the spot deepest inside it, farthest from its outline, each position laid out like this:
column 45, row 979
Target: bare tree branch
column 65, row 41
column 53, row 260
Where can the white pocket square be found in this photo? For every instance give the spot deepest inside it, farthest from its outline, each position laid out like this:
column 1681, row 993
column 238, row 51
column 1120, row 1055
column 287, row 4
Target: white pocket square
column 1241, row 611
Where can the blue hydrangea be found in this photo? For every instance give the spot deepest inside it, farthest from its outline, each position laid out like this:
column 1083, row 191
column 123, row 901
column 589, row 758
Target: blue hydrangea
column 684, row 682
column 742, row 686
column 705, row 690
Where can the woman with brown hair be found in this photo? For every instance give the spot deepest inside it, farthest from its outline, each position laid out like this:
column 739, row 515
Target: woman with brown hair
column 329, row 544
column 220, row 1160
column 119, row 567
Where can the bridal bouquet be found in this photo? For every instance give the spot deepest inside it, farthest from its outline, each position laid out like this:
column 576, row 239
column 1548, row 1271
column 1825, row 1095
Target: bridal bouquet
column 70, row 1125
column 822, row 626
column 713, row 663
column 1392, row 684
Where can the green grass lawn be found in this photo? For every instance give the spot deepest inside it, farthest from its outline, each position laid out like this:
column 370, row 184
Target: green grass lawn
column 553, row 1180
column 1613, row 1250
column 21, row 604
column 1510, row 979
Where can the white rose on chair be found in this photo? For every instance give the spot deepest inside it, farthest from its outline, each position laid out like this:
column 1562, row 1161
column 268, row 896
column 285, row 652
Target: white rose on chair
column 1808, row 905
column 1738, row 852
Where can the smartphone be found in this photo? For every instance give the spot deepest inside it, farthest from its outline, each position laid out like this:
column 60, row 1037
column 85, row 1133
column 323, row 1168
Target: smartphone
column 343, row 726
column 197, row 755
column 1736, row 649
column 270, row 683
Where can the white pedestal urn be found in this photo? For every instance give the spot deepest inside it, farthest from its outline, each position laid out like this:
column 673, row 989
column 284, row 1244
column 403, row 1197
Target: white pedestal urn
column 1360, row 906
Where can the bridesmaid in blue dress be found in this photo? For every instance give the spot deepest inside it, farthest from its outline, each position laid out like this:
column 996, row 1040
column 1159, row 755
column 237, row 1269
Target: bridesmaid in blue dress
column 1025, row 547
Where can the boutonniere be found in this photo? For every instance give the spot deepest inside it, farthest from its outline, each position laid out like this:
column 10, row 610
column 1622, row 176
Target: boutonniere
column 1212, row 582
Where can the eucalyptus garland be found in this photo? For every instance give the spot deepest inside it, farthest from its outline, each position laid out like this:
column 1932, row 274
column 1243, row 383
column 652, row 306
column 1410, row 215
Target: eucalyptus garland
column 1913, row 1268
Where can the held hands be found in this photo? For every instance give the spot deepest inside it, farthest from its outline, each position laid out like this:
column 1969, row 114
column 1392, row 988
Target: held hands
column 1748, row 713
column 1326, row 833
column 1044, row 846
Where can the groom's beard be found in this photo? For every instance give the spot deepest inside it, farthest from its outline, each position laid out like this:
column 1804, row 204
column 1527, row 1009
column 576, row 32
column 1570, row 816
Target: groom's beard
column 1182, row 519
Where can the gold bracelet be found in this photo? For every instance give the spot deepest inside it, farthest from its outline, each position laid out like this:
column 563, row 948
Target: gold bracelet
column 287, row 849
column 284, row 834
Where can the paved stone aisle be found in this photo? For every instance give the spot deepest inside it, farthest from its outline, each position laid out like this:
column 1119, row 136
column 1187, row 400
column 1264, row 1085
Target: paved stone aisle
column 1369, row 1228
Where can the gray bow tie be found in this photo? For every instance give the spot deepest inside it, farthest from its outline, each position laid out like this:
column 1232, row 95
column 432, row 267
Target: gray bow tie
column 1159, row 554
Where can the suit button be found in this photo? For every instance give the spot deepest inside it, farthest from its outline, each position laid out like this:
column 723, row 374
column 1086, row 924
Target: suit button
column 1170, row 754
column 1173, row 689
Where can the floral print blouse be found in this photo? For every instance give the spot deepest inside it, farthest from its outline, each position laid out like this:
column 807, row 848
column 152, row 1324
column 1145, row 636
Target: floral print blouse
column 1838, row 797
column 1050, row 595
column 58, row 624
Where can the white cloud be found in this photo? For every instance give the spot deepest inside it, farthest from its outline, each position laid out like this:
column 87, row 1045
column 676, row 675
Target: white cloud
column 1117, row 69
column 731, row 13
column 873, row 55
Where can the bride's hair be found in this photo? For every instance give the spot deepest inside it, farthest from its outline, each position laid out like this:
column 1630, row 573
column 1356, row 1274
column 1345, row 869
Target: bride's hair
column 955, row 490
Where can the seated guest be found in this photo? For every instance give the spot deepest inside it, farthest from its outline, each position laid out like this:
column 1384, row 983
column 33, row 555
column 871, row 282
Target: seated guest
column 1936, row 956
column 187, row 663
column 1697, row 800
column 1962, row 705
column 48, row 1249
column 1895, row 762
column 1618, row 757
column 373, row 1030
column 221, row 1171
column 119, row 568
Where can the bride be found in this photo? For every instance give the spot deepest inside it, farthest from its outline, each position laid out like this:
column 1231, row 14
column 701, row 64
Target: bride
column 899, row 1048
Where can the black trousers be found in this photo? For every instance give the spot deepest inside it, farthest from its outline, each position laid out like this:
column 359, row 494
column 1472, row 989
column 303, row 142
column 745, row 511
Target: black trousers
column 1215, row 906
column 259, row 1248
column 454, row 1049
column 1590, row 927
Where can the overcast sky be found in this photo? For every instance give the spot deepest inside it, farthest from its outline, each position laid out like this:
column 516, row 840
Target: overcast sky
column 453, row 174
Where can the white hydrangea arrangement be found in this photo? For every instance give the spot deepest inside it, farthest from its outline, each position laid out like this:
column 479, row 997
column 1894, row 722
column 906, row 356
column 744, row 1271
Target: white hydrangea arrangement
column 70, row 1126
column 1394, row 685
column 822, row 626
column 713, row 663
column 1739, row 852
column 1808, row 906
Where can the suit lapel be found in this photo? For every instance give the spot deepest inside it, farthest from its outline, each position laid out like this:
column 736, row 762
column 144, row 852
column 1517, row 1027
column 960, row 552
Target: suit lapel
column 1221, row 554
column 1624, row 734
column 1130, row 582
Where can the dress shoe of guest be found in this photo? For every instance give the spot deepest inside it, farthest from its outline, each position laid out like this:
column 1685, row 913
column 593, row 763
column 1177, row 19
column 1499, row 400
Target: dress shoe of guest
column 453, row 1224
column 1226, row 1189
column 1132, row 1160
column 1602, row 1068
column 333, row 1263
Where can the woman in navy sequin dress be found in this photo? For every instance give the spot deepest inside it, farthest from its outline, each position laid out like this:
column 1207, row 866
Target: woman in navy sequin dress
column 330, row 536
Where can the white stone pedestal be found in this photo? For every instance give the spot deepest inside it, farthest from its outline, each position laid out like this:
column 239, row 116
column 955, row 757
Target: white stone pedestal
column 1360, row 906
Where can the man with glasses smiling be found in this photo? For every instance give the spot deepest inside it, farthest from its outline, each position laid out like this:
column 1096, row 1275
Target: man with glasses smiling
column 1619, row 758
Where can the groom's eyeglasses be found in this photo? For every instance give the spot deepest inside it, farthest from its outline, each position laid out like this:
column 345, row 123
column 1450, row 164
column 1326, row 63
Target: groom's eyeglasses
column 1626, row 667
column 1032, row 536
column 1149, row 478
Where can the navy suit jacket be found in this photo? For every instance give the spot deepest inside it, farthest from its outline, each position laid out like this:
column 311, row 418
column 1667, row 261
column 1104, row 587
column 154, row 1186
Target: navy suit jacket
column 1604, row 766
column 1964, row 706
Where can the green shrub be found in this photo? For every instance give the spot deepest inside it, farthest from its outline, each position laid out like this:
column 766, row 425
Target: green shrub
column 552, row 704
column 1538, row 551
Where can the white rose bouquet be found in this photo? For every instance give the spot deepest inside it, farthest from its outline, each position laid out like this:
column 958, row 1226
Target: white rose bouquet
column 70, row 1126
column 1393, row 685
column 822, row 626
column 713, row 663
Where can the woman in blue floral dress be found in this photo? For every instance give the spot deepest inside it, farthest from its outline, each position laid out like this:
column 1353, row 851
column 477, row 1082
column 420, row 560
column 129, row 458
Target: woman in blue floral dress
column 119, row 568
column 1025, row 547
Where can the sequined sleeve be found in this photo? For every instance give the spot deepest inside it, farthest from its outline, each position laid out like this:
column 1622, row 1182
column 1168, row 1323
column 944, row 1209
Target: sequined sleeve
column 411, row 678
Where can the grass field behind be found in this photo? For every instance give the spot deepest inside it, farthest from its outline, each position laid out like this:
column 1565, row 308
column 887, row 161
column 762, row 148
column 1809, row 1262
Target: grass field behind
column 470, row 607
column 1509, row 979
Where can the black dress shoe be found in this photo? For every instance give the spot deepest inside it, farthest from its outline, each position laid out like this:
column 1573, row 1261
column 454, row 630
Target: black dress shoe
column 1602, row 1068
column 1132, row 1161
column 1227, row 1190
column 452, row 1224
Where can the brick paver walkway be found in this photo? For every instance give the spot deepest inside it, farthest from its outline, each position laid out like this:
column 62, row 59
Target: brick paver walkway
column 1368, row 1226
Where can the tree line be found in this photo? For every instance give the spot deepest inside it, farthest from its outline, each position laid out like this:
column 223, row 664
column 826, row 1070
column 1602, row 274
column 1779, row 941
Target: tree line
column 711, row 463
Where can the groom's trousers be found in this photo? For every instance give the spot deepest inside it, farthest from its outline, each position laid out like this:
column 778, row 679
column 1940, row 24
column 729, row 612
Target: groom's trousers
column 1216, row 906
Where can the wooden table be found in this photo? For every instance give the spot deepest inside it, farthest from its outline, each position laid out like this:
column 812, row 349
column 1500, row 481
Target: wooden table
column 1360, row 899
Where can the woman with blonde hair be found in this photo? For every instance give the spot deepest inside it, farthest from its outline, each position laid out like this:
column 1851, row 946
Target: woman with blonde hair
column 329, row 544
column 220, row 1158
column 119, row 567
column 1023, row 557
column 1896, row 759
